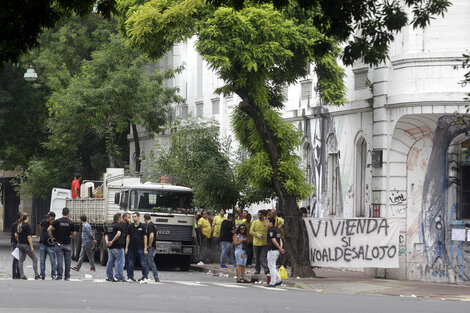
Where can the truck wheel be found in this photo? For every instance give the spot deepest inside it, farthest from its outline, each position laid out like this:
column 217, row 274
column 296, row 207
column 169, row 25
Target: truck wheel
column 103, row 253
column 185, row 263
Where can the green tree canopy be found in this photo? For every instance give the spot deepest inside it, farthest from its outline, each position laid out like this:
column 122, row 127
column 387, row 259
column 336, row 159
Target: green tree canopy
column 58, row 58
column 112, row 94
column 365, row 26
column 23, row 21
column 22, row 118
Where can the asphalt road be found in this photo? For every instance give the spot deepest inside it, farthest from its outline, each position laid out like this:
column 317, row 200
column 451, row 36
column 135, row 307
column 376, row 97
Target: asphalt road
column 186, row 292
column 188, row 296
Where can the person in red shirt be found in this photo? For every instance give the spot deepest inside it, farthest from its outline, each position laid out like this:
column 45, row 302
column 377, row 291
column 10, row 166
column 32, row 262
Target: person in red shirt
column 76, row 186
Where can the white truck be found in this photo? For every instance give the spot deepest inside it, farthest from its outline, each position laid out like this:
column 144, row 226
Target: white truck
column 170, row 207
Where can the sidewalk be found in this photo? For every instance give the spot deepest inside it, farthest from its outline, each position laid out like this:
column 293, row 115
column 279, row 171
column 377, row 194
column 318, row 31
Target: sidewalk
column 345, row 282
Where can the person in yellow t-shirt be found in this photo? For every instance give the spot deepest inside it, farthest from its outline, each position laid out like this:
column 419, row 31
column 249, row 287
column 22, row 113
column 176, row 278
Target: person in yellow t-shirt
column 279, row 224
column 205, row 229
column 217, row 223
column 249, row 247
column 259, row 232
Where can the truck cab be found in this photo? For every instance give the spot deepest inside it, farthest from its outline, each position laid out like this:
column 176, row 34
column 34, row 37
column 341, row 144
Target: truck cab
column 171, row 210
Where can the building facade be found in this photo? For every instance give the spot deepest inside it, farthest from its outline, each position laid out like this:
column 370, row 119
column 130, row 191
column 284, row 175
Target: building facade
column 399, row 148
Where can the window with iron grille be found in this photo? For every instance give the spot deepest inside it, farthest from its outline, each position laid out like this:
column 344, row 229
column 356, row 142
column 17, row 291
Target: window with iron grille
column 360, row 78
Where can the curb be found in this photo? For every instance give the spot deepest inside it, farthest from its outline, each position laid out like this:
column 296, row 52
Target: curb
column 294, row 283
column 288, row 282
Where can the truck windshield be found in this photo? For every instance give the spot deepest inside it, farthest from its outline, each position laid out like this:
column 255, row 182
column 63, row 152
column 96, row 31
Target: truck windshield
column 161, row 201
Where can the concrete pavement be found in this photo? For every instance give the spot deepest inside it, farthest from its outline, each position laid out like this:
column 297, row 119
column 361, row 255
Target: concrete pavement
column 346, row 282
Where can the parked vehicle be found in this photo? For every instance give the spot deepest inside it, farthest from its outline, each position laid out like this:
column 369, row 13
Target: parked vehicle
column 169, row 205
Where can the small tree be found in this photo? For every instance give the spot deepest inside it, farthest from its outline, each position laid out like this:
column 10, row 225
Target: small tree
column 197, row 155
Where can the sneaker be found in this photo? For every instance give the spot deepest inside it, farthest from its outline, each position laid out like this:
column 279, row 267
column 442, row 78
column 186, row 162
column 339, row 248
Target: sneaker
column 131, row 280
column 92, row 269
column 279, row 283
column 266, row 272
column 23, row 277
column 270, row 286
column 200, row 263
column 142, row 278
column 223, row 266
column 58, row 278
column 111, row 280
column 43, row 277
column 37, row 277
column 66, row 279
column 157, row 280
column 53, row 277
column 75, row 268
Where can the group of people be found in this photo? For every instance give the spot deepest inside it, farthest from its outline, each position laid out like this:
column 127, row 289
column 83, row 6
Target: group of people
column 54, row 242
column 261, row 239
column 126, row 241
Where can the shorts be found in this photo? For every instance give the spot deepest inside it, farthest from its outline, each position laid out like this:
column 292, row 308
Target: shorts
column 240, row 257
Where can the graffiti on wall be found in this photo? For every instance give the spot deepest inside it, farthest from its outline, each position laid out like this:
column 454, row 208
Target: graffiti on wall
column 323, row 142
column 397, row 198
column 436, row 214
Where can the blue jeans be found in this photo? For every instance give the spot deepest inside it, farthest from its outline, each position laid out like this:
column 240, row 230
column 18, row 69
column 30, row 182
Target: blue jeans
column 151, row 261
column 130, row 268
column 63, row 253
column 116, row 259
column 15, row 271
column 45, row 251
column 226, row 250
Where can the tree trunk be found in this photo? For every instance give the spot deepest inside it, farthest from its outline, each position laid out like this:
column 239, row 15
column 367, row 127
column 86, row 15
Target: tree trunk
column 135, row 134
column 295, row 230
column 88, row 171
column 296, row 239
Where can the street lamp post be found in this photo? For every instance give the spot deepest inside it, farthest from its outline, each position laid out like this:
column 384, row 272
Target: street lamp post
column 30, row 75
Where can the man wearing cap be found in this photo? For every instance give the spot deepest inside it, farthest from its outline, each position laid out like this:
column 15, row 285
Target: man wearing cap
column 46, row 248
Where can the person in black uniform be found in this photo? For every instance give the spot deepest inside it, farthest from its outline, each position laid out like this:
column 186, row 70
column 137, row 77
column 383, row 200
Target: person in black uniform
column 46, row 248
column 274, row 248
column 25, row 244
column 151, row 246
column 62, row 229
column 126, row 222
column 113, row 237
column 15, row 271
column 136, row 246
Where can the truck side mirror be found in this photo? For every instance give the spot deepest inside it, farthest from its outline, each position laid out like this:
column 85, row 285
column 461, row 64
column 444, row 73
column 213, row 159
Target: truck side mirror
column 117, row 198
